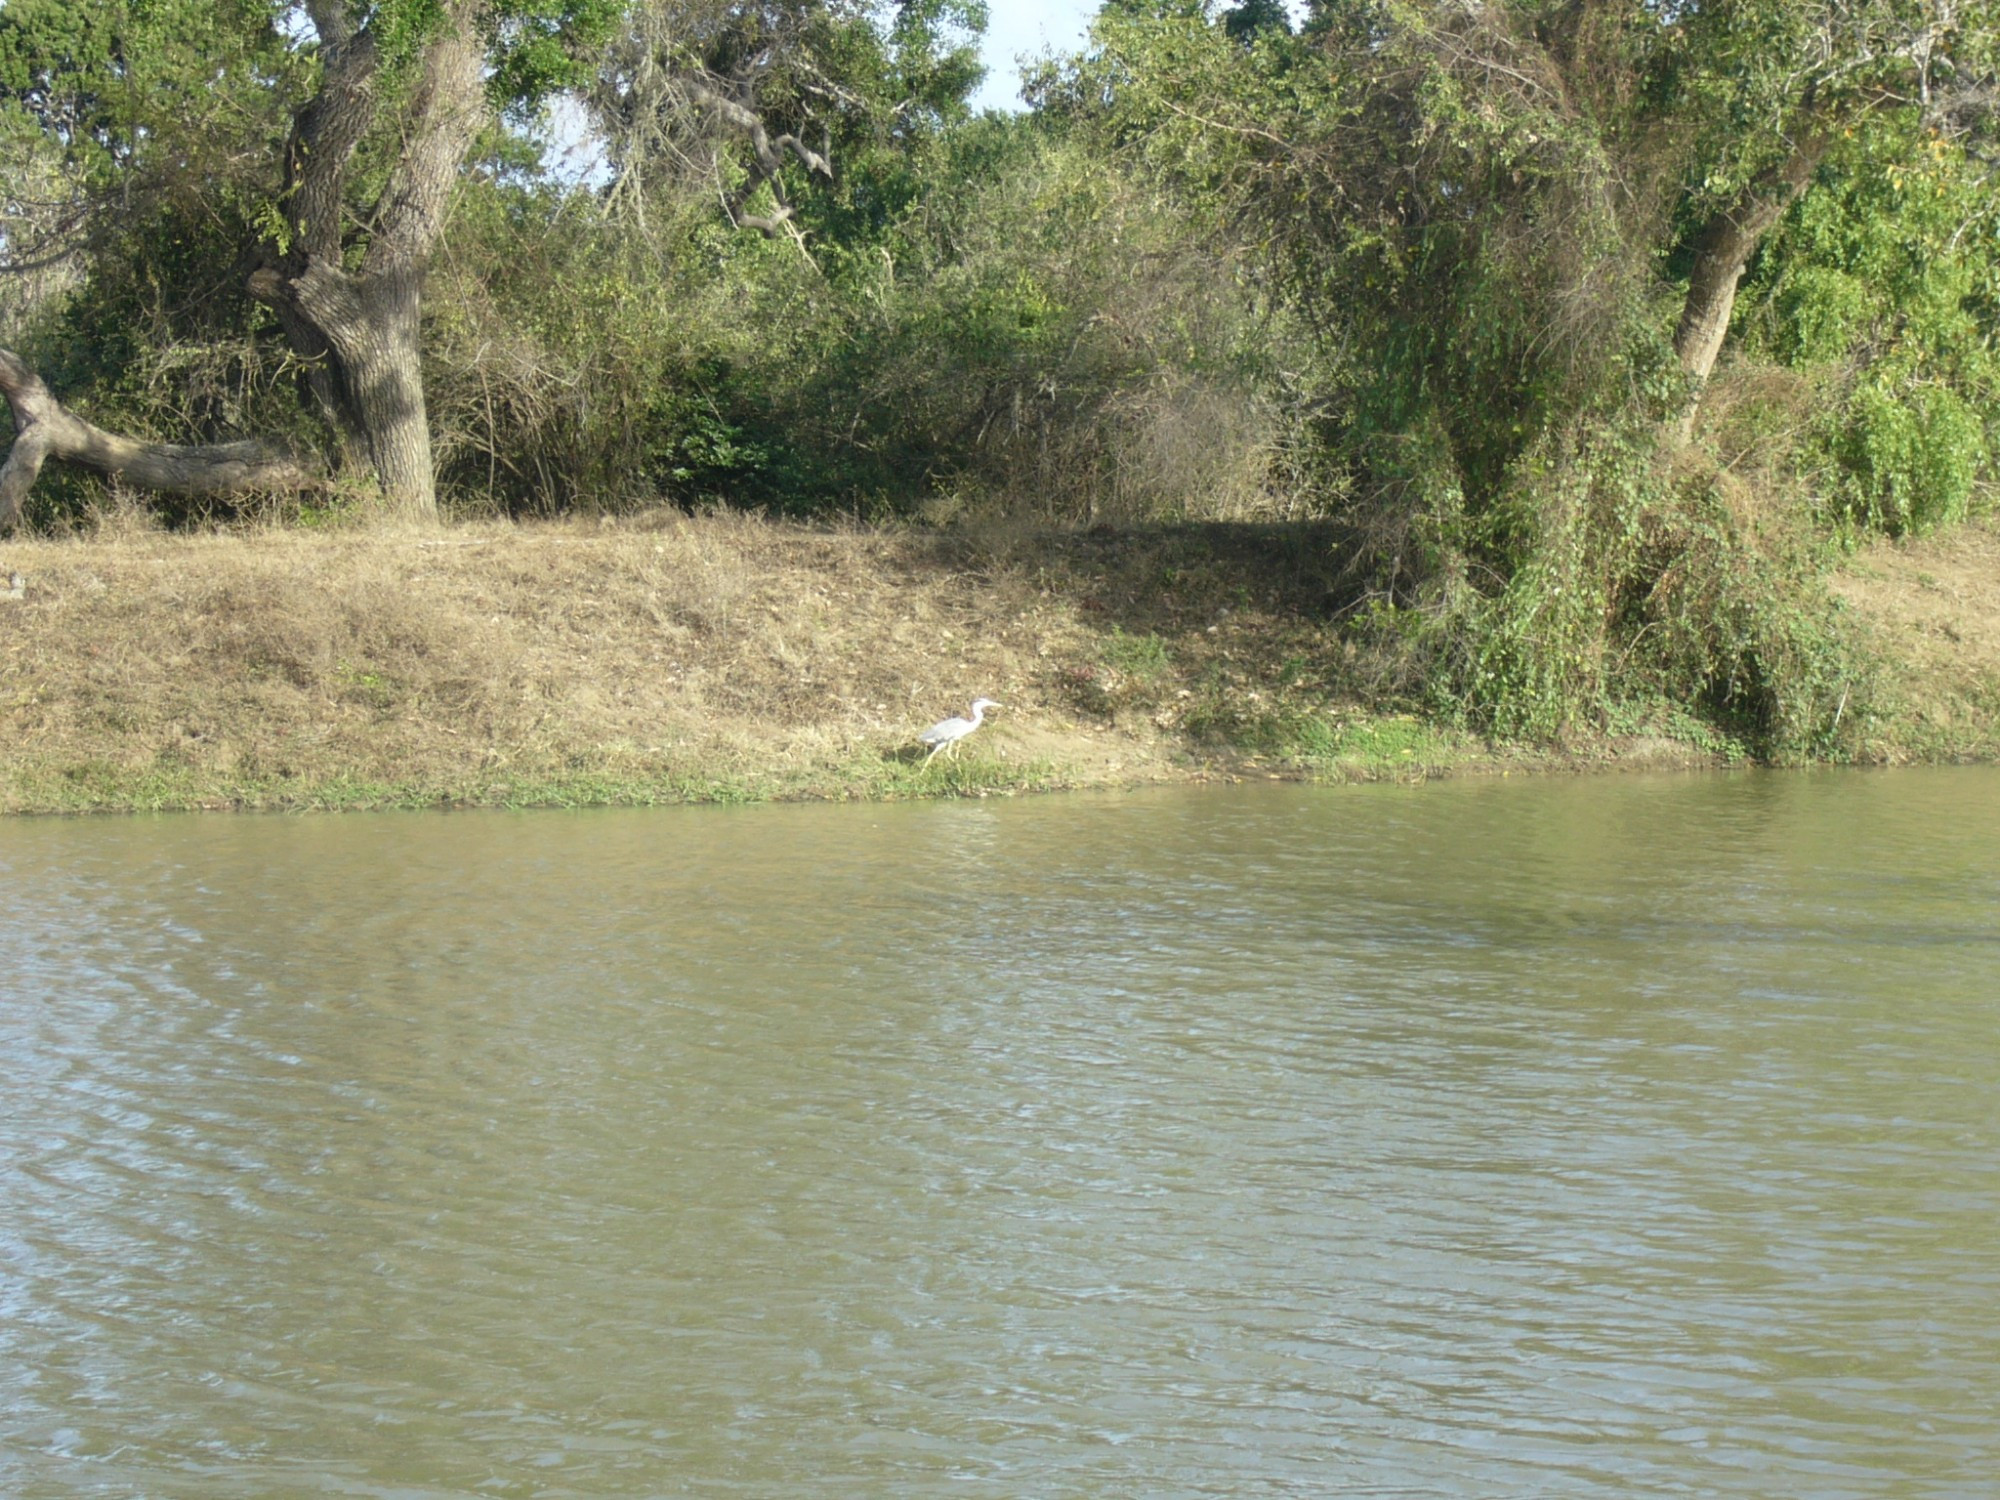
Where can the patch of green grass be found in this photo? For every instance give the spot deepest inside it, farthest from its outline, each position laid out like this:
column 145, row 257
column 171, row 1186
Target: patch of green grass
column 94, row 784
column 1141, row 656
column 959, row 776
column 370, row 689
column 1348, row 748
column 1386, row 747
column 101, row 787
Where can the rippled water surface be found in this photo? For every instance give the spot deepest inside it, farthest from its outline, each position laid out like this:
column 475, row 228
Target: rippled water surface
column 1608, row 1137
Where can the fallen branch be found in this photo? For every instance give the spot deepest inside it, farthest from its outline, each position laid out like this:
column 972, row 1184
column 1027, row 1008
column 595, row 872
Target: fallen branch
column 44, row 428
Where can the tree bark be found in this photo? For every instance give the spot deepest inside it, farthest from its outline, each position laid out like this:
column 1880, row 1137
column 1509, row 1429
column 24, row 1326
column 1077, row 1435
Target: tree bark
column 1722, row 253
column 370, row 328
column 358, row 329
column 44, row 428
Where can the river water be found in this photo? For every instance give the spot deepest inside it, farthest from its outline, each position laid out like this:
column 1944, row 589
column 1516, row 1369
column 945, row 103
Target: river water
column 1607, row 1137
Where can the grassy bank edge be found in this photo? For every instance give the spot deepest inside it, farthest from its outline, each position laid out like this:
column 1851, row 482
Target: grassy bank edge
column 1386, row 748
column 720, row 660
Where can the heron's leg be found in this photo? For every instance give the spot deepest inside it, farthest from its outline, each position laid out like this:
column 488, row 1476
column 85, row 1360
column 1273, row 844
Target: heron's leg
column 934, row 750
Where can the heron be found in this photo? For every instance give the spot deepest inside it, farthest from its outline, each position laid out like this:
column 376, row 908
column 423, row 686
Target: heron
column 946, row 733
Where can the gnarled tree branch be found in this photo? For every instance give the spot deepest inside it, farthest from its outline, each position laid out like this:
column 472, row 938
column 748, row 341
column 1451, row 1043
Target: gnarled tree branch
column 770, row 150
column 45, row 428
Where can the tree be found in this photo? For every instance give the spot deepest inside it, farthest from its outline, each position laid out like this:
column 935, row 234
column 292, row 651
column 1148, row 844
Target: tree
column 357, row 327
column 804, row 119
column 1517, row 230
column 754, row 103
column 1401, row 129
column 1764, row 88
column 125, row 121
column 1500, row 216
column 394, row 94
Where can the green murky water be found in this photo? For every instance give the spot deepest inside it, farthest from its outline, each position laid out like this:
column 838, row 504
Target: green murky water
column 1610, row 1137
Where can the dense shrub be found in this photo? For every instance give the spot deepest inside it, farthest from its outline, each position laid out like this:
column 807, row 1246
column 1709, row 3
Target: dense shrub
column 1882, row 285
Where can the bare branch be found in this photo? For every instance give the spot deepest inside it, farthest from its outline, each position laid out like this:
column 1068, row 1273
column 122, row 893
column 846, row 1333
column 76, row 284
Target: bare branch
column 46, row 429
column 770, row 152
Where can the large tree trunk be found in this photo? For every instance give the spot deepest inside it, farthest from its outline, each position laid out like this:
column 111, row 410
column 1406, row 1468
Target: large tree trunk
column 1721, row 255
column 386, row 378
column 369, row 329
column 44, row 428
column 358, row 329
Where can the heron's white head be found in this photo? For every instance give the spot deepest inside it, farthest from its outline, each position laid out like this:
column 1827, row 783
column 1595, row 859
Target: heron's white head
column 979, row 703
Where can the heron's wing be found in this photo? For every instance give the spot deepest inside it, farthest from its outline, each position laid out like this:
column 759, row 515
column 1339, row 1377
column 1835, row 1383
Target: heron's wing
column 944, row 729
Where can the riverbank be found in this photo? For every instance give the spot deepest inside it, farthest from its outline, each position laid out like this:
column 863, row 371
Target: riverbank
column 668, row 658
column 1928, row 611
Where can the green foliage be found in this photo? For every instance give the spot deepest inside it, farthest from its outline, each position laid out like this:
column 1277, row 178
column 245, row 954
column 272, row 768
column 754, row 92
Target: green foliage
column 1482, row 215
column 125, row 85
column 1639, row 590
column 988, row 344
column 1909, row 457
column 1039, row 331
column 538, row 47
column 1737, row 621
column 1882, row 283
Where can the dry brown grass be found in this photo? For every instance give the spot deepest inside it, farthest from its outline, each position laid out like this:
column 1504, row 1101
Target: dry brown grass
column 668, row 658
column 1932, row 605
column 663, row 656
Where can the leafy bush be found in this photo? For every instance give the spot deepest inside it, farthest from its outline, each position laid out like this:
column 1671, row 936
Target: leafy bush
column 1882, row 284
column 1908, row 459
